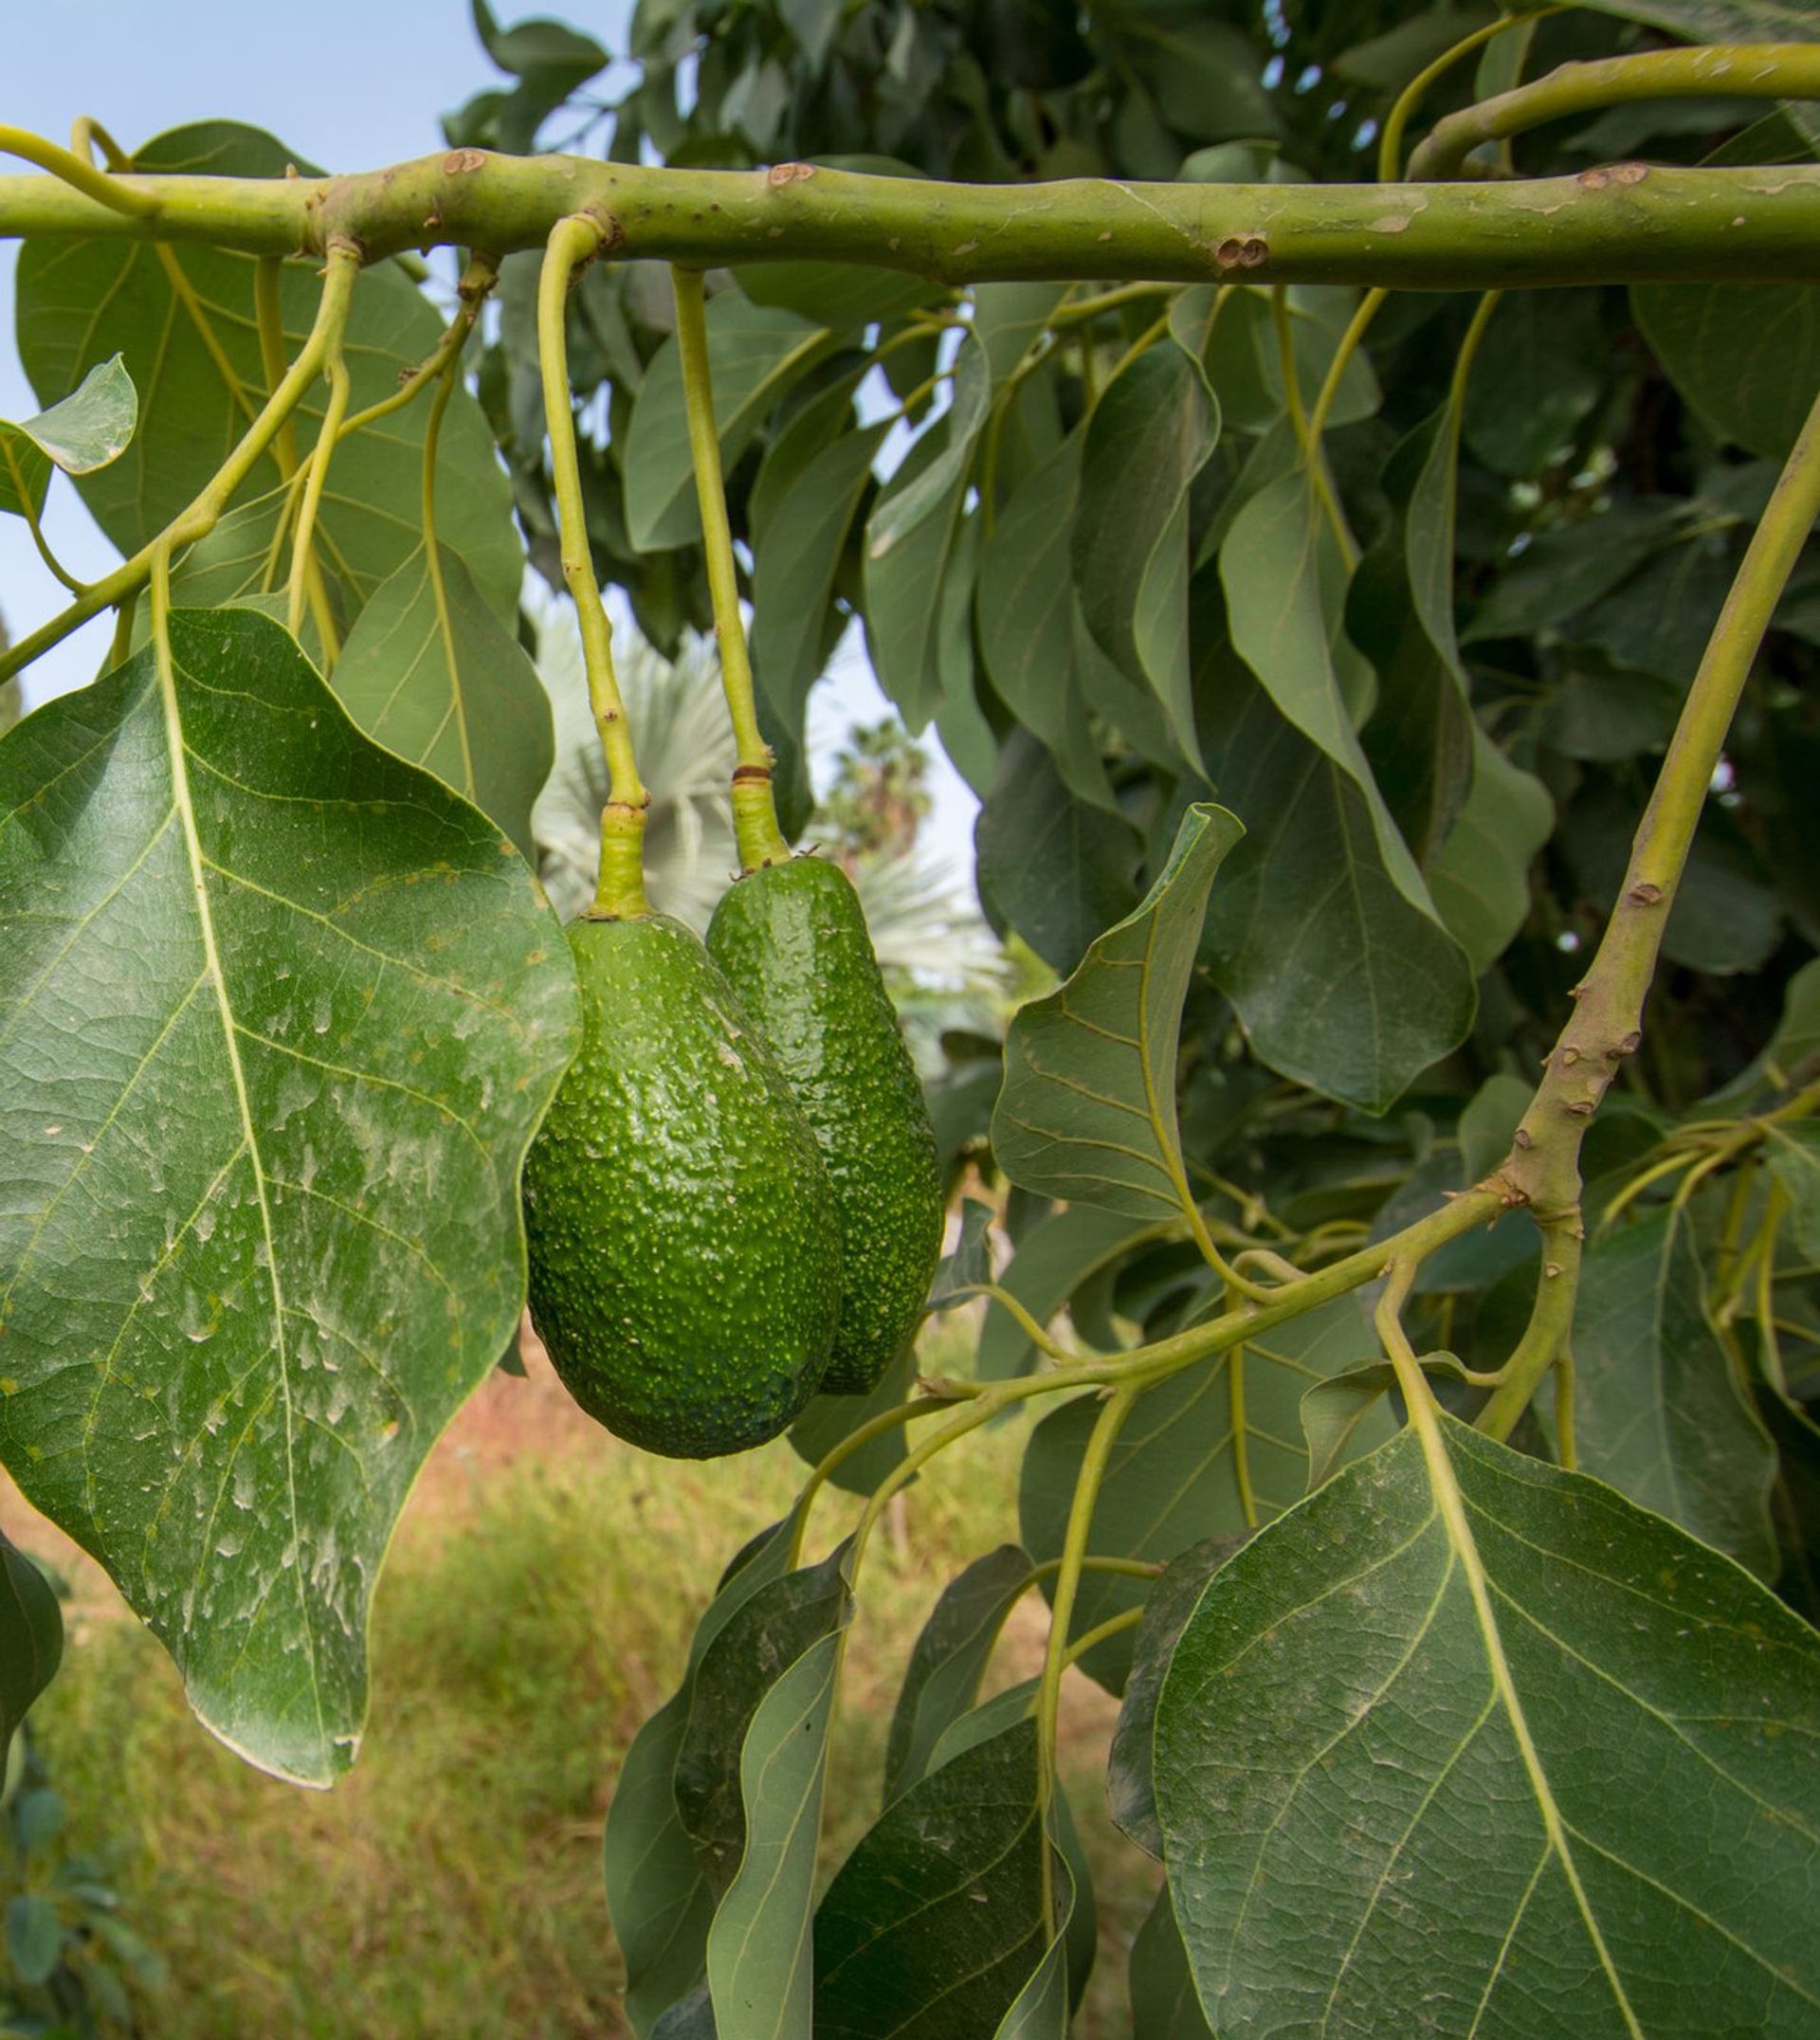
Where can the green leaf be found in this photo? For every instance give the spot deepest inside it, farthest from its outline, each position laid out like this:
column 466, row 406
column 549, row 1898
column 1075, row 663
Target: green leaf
column 760, row 1968
column 32, row 1638
column 910, row 537
column 1745, row 360
column 955, row 1864
column 755, row 353
column 1399, row 612
column 429, row 672
column 181, row 315
column 282, row 1016
column 84, row 432
column 1572, row 1749
column 1052, row 867
column 963, row 1271
column 1479, row 877
column 658, row 1896
column 802, row 507
column 34, row 1938
column 1332, row 1411
column 1151, row 433
column 758, row 1641
column 1130, row 1786
column 1342, row 978
column 1088, row 1108
column 1720, row 21
column 1191, row 1454
column 1163, row 2002
column 839, row 295
column 1659, row 1412
column 1794, row 1044
column 1795, row 1160
column 941, row 1681
column 1245, row 364
column 1029, row 614
column 1540, row 374
column 1057, row 1254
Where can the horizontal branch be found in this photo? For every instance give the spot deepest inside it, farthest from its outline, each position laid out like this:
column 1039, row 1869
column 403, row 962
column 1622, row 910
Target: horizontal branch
column 1628, row 224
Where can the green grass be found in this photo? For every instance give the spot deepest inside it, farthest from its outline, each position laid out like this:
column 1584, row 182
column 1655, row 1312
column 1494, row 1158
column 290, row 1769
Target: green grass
column 531, row 1615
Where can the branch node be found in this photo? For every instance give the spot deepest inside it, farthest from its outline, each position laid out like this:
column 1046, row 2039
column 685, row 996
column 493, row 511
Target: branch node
column 779, row 175
column 462, row 162
column 1645, row 893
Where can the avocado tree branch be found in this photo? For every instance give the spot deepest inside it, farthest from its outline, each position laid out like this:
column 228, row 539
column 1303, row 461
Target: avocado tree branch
column 1747, row 70
column 1754, row 223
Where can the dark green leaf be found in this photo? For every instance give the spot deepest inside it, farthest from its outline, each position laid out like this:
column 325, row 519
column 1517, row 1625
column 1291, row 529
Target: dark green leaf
column 1245, row 363
column 954, row 1865
column 1088, row 1108
column 429, row 672
column 1332, row 1411
column 762, row 1639
column 1163, row 2001
column 1342, row 976
column 1130, row 1788
column 828, row 1420
column 941, row 1681
column 31, row 1637
column 268, row 1188
column 1572, row 1749
column 1480, row 880
column 1540, row 371
column 34, row 1938
column 837, row 294
column 755, row 353
column 1051, row 866
column 910, row 536
column 1747, row 361
column 1720, row 21
column 971, row 1262
column 1794, row 1157
column 181, row 315
column 1151, row 433
column 85, row 431
column 1399, row 612
column 1659, row 1412
column 1194, row 1460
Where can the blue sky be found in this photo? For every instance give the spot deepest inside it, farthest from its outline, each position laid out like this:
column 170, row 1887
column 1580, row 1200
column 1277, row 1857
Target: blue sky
column 347, row 83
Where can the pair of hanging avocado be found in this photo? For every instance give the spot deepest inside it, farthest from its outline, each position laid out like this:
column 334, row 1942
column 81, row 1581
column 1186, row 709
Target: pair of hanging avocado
column 734, row 1202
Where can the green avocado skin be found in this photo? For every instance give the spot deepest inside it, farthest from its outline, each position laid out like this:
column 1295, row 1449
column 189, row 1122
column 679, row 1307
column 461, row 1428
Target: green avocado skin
column 684, row 1246
column 793, row 941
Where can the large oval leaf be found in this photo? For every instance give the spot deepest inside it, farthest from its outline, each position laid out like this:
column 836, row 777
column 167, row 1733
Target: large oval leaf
column 280, row 1015
column 1461, row 1703
column 31, row 1639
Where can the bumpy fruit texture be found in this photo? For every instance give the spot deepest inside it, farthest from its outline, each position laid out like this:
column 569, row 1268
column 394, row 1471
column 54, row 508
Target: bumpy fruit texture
column 793, row 941
column 684, row 1252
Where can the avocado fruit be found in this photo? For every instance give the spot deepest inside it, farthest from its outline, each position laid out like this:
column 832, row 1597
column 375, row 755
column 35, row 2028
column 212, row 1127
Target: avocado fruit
column 793, row 941
column 684, row 1252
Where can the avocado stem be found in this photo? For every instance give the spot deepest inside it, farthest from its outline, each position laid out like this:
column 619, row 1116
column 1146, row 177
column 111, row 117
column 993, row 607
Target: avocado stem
column 572, row 242
column 755, row 811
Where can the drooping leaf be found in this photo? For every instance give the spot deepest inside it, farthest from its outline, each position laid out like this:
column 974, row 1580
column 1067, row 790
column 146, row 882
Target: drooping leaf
column 1333, row 1410
column 1048, row 866
column 1164, row 2004
column 1343, row 979
column 86, row 430
column 755, row 352
column 282, row 1016
column 34, row 1938
column 1151, row 433
column 429, row 672
column 1245, row 362
column 760, row 1640
column 910, row 539
column 1659, row 1411
column 1399, row 611
column 830, row 1420
column 1130, row 1786
column 1573, row 1748
column 1479, row 877
column 1088, row 1108
column 955, row 1864
column 658, row 1895
column 1746, row 361
column 31, row 1637
column 1195, row 1459
column 181, row 315
column 941, row 1681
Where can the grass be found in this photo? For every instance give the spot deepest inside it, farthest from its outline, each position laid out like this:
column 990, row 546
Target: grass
column 536, row 1606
